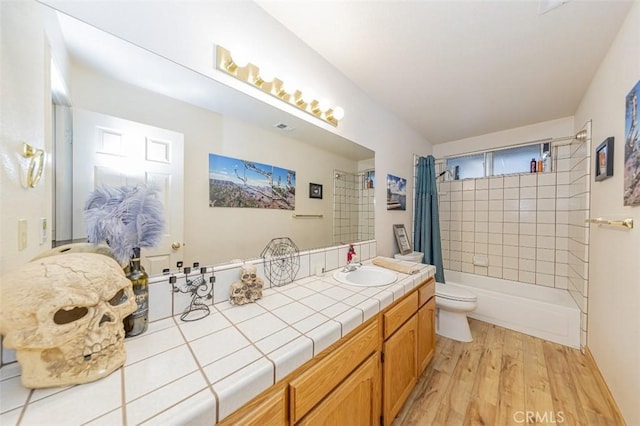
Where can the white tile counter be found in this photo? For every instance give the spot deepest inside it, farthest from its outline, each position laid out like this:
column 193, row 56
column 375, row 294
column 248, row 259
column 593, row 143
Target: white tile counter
column 197, row 372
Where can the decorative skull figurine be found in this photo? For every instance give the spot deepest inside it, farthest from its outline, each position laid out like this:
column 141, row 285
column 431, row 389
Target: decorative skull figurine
column 248, row 289
column 63, row 315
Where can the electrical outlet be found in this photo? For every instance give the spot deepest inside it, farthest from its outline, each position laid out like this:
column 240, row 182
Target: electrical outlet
column 22, row 234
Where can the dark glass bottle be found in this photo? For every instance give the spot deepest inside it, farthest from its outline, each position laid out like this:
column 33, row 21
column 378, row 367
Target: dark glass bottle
column 137, row 322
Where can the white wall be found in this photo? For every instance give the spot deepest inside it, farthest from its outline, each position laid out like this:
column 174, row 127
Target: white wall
column 186, row 34
column 614, row 268
column 217, row 235
column 25, row 111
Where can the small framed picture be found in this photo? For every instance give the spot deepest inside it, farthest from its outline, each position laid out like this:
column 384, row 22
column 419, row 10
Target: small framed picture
column 315, row 190
column 604, row 159
column 404, row 245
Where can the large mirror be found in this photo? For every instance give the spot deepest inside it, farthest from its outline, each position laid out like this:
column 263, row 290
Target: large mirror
column 185, row 118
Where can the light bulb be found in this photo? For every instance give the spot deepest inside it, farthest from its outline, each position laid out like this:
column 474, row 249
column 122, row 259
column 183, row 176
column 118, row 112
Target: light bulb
column 289, row 87
column 266, row 73
column 338, row 113
column 323, row 105
column 308, row 95
column 240, row 59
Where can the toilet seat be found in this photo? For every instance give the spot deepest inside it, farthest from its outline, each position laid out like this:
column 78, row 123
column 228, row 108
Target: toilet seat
column 452, row 292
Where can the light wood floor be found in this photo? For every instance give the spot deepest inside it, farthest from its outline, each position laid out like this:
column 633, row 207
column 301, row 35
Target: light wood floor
column 501, row 375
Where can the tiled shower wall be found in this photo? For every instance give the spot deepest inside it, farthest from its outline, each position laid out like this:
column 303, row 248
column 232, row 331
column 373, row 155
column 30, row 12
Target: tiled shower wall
column 353, row 208
column 528, row 228
column 578, row 251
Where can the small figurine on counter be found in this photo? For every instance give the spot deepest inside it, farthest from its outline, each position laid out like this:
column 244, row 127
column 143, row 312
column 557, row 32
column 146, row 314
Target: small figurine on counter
column 248, row 289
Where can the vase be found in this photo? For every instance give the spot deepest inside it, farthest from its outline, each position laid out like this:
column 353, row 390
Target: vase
column 137, row 322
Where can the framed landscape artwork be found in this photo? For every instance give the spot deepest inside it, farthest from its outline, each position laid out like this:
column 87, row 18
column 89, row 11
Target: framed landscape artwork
column 241, row 183
column 632, row 149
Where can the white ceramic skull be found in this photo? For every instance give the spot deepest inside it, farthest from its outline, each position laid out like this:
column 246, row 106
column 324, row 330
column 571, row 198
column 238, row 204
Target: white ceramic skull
column 248, row 289
column 63, row 315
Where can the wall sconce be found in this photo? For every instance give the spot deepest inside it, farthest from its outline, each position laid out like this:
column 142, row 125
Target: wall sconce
column 36, row 165
column 264, row 79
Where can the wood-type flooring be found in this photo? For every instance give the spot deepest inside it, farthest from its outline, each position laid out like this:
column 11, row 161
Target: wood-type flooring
column 508, row 378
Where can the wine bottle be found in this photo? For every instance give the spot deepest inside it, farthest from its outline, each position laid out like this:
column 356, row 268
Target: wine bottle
column 137, row 322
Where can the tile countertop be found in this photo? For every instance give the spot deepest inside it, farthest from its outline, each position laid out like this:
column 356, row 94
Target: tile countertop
column 192, row 372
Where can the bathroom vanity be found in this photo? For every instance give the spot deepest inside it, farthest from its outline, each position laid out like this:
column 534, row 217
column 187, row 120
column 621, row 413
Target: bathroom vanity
column 366, row 375
column 306, row 352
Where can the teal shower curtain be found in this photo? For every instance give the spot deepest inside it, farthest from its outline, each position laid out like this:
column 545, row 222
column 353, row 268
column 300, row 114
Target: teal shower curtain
column 426, row 226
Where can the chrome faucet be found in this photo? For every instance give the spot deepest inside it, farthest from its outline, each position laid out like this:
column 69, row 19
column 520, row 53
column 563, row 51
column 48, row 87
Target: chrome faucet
column 352, row 260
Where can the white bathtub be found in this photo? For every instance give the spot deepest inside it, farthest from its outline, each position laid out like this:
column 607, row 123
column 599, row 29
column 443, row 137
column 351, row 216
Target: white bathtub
column 547, row 313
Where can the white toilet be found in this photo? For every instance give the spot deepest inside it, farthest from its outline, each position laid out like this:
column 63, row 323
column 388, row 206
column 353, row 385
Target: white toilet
column 452, row 305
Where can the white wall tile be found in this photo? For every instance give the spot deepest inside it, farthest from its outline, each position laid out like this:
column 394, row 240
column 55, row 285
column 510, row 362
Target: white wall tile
column 510, row 274
column 545, row 179
column 511, row 181
column 545, row 280
column 496, row 216
column 527, row 253
column 496, row 182
column 511, row 216
column 527, row 277
column 496, row 194
column 495, row 271
column 482, row 183
column 510, row 262
column 528, row 180
column 528, row 192
column 482, row 194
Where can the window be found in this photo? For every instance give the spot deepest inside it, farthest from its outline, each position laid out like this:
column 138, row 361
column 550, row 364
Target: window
column 494, row 163
column 469, row 166
column 514, row 160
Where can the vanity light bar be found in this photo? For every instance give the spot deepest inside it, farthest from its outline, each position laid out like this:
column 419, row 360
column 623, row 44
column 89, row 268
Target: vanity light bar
column 264, row 80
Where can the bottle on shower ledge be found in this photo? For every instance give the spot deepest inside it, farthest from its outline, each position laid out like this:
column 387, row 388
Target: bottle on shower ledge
column 532, row 165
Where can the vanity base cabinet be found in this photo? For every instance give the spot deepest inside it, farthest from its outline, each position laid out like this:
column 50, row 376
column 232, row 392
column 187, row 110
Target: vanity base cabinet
column 426, row 324
column 426, row 334
column 400, row 367
column 355, row 402
column 331, row 373
column 363, row 379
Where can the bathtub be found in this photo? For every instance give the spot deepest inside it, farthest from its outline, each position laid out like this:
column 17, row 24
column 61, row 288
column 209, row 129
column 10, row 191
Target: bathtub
column 544, row 312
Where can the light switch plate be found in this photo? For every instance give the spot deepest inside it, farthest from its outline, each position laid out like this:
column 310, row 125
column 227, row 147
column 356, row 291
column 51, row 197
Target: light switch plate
column 43, row 230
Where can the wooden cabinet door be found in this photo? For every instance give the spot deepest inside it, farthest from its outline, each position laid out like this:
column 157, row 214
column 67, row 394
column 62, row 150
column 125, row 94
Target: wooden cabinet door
column 356, row 402
column 426, row 334
column 400, row 368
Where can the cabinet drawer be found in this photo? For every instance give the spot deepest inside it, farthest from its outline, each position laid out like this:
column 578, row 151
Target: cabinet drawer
column 426, row 292
column 397, row 315
column 266, row 410
column 314, row 384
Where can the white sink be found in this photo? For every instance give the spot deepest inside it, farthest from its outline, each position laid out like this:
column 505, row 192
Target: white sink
column 366, row 276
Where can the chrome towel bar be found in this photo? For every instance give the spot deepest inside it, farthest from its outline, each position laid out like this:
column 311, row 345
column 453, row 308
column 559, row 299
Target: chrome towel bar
column 307, row 216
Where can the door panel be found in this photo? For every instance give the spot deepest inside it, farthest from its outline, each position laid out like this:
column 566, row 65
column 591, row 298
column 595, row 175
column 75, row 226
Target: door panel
column 111, row 151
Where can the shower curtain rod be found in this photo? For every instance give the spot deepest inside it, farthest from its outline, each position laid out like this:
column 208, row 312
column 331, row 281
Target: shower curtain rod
column 537, row 141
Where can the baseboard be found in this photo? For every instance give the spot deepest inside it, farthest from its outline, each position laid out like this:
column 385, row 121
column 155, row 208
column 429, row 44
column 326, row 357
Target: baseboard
column 604, row 385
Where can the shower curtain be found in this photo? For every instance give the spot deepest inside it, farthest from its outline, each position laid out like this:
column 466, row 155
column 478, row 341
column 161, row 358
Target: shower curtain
column 426, row 226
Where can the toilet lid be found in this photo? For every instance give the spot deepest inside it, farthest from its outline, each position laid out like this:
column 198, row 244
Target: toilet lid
column 452, row 292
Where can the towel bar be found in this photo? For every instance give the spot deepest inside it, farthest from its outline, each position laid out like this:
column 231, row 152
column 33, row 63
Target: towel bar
column 627, row 223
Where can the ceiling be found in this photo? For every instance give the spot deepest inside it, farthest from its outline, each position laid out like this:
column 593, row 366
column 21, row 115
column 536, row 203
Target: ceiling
column 457, row 69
